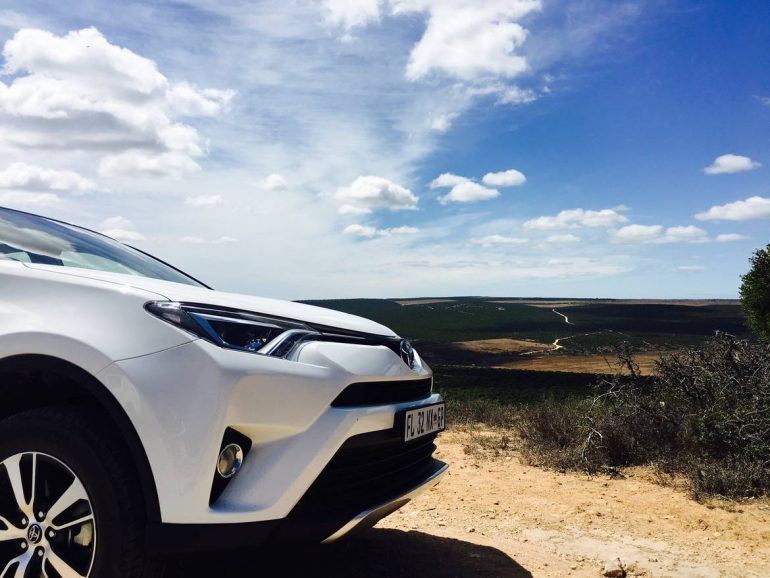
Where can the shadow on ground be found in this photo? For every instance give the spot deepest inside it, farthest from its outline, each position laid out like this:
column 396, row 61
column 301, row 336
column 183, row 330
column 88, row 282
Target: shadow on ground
column 377, row 553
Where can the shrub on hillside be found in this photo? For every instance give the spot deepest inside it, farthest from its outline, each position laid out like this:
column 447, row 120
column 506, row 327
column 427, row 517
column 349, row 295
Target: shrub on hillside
column 705, row 413
column 755, row 293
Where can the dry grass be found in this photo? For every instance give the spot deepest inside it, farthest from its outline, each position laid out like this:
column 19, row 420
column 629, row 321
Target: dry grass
column 501, row 346
column 594, row 364
column 423, row 301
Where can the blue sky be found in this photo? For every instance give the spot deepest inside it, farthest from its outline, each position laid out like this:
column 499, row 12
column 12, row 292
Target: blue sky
column 294, row 149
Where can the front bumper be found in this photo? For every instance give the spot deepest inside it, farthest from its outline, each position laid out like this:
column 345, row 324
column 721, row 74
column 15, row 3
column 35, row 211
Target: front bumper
column 371, row 516
column 174, row 539
column 182, row 400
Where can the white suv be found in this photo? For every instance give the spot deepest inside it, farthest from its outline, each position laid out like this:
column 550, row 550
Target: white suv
column 143, row 413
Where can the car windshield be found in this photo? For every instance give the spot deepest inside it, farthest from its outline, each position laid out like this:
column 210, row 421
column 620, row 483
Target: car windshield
column 33, row 239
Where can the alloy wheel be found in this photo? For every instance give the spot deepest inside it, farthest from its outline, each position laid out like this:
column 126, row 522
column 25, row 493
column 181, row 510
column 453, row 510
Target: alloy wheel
column 47, row 525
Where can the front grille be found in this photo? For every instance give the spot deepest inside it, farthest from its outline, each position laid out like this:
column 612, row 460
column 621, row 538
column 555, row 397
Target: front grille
column 369, row 469
column 383, row 392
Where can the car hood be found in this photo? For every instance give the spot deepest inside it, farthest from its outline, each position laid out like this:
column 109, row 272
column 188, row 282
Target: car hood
column 191, row 294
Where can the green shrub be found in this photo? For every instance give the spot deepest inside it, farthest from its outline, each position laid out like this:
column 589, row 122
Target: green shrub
column 755, row 293
column 705, row 414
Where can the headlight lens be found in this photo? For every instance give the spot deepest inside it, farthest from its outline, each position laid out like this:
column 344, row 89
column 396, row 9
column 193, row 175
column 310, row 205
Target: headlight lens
column 232, row 329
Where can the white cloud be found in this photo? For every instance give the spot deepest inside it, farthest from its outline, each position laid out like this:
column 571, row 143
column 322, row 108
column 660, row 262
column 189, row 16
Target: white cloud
column 633, row 234
column 691, row 268
column 24, row 199
column 22, row 176
column 120, row 229
column 224, row 240
column 685, row 234
column 274, row 182
column 353, row 210
column 443, row 123
column 563, row 239
column 80, row 92
column 447, row 180
column 372, row 192
column 727, row 164
column 729, row 237
column 576, row 218
column 124, row 235
column 657, row 234
column 205, row 201
column 369, row 232
column 468, row 192
column 192, row 240
column 509, row 178
column 187, row 100
column 117, row 222
column 360, row 230
column 747, row 210
column 351, row 13
column 468, row 39
column 491, row 240
column 515, row 95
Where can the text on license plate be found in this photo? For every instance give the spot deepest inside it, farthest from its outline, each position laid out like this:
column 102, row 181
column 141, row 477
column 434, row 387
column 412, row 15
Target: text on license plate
column 423, row 421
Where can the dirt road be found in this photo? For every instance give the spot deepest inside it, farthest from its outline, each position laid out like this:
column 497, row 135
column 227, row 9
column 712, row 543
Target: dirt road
column 498, row 517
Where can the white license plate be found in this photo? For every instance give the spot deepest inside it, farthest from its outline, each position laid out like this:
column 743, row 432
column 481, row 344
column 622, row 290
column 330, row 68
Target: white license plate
column 423, row 421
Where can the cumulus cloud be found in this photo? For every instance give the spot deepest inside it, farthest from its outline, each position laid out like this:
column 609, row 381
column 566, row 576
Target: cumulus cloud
column 563, row 239
column 22, row 176
column 447, row 180
column 657, row 234
column 727, row 164
column 370, row 192
column 468, row 192
column 360, row 230
column 120, row 229
column 576, row 218
column 509, row 178
column 729, row 237
column 205, row 201
column 492, row 240
column 274, row 182
column 351, row 13
column 468, row 39
column 369, row 232
column 746, row 210
column 353, row 210
column 80, row 92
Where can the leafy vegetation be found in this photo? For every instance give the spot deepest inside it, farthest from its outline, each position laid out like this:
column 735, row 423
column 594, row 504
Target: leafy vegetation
column 755, row 293
column 705, row 414
column 596, row 324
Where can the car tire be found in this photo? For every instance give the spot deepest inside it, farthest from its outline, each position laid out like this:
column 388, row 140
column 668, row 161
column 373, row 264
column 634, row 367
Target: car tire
column 86, row 508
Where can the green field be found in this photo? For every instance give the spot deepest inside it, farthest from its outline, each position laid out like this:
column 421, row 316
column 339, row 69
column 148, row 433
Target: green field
column 472, row 318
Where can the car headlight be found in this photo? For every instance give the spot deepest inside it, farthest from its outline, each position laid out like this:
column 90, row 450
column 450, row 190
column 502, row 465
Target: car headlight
column 233, row 329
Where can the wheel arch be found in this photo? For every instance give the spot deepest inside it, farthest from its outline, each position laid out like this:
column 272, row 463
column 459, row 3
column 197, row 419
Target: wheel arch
column 58, row 382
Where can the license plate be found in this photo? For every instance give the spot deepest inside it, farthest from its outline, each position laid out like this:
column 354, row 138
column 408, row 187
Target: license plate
column 423, row 421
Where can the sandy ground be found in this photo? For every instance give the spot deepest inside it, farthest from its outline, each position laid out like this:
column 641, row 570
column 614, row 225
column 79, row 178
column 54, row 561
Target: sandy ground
column 500, row 346
column 424, row 301
column 568, row 303
column 582, row 363
column 494, row 516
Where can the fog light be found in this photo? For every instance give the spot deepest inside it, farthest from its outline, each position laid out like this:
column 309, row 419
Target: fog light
column 230, row 461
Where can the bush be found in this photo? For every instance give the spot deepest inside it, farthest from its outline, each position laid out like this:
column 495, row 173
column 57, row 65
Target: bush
column 705, row 413
column 755, row 293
